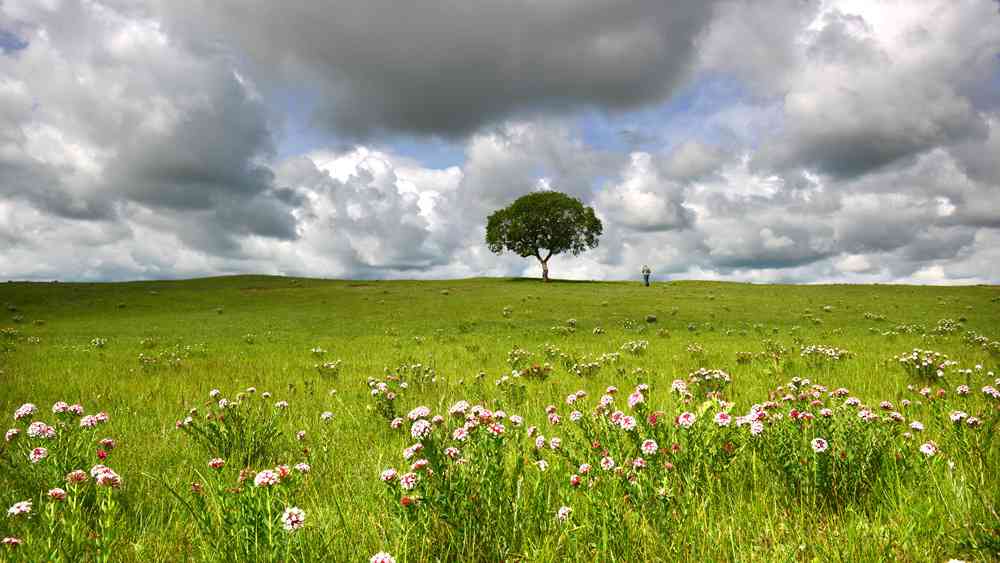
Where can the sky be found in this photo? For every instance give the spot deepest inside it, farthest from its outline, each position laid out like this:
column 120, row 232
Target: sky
column 792, row 141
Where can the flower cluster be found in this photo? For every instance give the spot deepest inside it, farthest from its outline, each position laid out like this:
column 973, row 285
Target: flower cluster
column 925, row 364
column 821, row 352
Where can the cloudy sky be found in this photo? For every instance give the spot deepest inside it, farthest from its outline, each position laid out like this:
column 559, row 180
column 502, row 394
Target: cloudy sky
column 752, row 140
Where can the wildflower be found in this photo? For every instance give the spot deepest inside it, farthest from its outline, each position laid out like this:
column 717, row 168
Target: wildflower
column 408, row 481
column 459, row 408
column 41, row 430
column 214, row 393
column 516, row 420
column 584, row 468
column 542, row 465
column 11, row 542
column 452, row 452
column 638, row 463
column 266, row 478
column 77, row 476
column 327, row 416
column 885, row 405
column 419, row 465
column 686, row 419
column 627, row 423
column 293, row 518
column 303, row 468
column 539, row 442
column 382, row 557
column 281, row 405
column 460, row 434
column 819, row 445
column 24, row 411
column 962, row 390
column 60, row 407
column 19, row 508
column 496, row 429
column 216, row 463
column 76, row 410
column 11, row 434
column 649, row 447
column 57, row 494
column 420, row 429
column 554, row 419
column 635, row 399
column 107, row 443
column 723, row 418
column 38, row 454
column 607, row 464
column 957, row 416
column 555, row 443
column 563, row 513
column 102, row 455
column 105, row 477
column 90, row 421
column 611, row 390
column 283, row 471
column 928, row 448
column 388, row 475
column 916, row 426
column 396, row 423
column 756, row 427
column 852, row 401
column 973, row 422
column 574, row 480
column 419, row 412
column 575, row 416
column 223, row 403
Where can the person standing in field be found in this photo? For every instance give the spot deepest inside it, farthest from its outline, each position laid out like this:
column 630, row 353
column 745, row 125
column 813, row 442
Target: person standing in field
column 645, row 274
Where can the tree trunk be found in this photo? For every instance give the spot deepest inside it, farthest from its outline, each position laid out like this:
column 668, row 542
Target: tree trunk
column 545, row 270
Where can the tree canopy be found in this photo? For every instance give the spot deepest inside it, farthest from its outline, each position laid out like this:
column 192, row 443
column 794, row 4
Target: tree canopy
column 543, row 224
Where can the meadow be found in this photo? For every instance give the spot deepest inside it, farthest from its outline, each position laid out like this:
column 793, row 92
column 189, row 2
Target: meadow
column 279, row 419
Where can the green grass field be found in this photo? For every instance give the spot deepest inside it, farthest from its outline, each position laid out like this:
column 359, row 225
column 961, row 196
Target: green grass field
column 147, row 352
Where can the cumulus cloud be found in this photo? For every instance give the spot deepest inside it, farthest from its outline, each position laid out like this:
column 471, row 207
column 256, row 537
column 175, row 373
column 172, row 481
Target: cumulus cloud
column 853, row 141
column 102, row 110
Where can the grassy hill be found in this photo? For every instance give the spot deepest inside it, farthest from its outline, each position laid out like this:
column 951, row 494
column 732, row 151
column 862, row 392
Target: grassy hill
column 147, row 352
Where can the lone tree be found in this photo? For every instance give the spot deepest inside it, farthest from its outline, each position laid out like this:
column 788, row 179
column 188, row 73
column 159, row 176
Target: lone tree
column 543, row 224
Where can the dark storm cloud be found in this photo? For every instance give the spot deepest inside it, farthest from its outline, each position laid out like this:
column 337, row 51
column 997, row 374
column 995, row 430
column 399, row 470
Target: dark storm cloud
column 140, row 139
column 446, row 67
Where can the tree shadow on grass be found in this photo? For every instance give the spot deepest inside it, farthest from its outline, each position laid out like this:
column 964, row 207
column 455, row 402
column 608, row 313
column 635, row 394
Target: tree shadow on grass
column 551, row 281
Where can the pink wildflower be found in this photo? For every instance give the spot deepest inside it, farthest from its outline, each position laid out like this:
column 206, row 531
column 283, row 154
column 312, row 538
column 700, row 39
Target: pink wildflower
column 293, row 518
column 266, row 478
